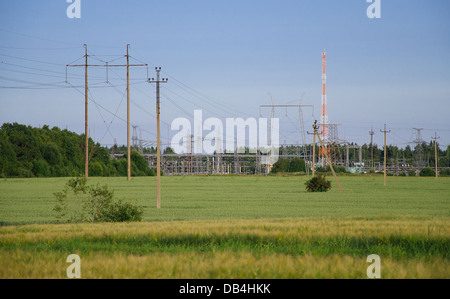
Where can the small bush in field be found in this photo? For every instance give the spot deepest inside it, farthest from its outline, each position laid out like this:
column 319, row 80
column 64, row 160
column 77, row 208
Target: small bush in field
column 318, row 183
column 93, row 204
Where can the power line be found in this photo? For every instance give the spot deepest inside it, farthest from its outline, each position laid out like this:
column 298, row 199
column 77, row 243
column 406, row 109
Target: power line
column 115, row 115
column 204, row 98
column 30, row 82
column 191, row 101
column 198, row 95
column 39, row 38
column 32, row 60
column 139, row 106
column 38, row 49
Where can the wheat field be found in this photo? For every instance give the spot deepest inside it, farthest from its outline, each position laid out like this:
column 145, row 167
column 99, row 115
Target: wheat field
column 234, row 227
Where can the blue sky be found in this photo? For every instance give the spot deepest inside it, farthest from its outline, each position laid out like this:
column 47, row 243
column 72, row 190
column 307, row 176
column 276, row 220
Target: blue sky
column 225, row 57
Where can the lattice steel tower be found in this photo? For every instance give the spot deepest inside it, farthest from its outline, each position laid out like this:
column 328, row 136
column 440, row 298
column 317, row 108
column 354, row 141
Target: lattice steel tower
column 324, row 122
column 418, row 147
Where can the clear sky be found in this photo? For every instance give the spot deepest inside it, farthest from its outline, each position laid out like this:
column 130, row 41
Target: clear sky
column 228, row 58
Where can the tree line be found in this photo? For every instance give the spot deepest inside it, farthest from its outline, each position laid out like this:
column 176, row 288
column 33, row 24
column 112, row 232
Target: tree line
column 43, row 152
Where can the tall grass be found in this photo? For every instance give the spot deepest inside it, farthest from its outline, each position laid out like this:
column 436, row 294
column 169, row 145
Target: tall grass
column 414, row 247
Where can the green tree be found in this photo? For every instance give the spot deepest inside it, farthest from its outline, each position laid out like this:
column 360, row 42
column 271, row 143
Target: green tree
column 297, row 165
column 427, row 171
column 41, row 168
column 282, row 165
column 95, row 169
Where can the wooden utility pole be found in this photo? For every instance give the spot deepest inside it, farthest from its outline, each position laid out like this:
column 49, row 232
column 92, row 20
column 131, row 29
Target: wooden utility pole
column 107, row 65
column 315, row 127
column 158, row 141
column 326, row 156
column 128, row 118
column 435, row 153
column 314, row 155
column 86, row 104
column 371, row 147
column 385, row 132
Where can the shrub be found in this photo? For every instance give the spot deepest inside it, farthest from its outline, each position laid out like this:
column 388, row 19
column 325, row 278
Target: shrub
column 25, row 173
column 412, row 172
column 320, row 169
column 297, row 165
column 401, row 173
column 427, row 171
column 95, row 169
column 121, row 212
column 41, row 168
column 318, row 184
column 121, row 167
column 282, row 165
column 94, row 204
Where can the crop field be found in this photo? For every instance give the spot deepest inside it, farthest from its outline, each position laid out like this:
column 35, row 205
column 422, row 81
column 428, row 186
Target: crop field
column 234, row 227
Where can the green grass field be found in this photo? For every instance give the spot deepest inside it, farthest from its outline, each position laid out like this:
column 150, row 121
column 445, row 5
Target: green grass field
column 234, row 227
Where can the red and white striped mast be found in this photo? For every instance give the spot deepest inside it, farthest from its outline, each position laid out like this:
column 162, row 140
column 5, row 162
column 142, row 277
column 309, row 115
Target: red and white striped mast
column 324, row 122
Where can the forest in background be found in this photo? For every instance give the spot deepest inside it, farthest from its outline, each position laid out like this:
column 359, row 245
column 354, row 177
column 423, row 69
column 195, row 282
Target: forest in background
column 43, row 152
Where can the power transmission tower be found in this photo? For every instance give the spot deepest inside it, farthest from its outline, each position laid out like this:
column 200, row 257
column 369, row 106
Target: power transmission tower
column 326, row 155
column 418, row 142
column 385, row 132
column 135, row 138
column 301, row 122
column 115, row 148
column 107, row 65
column 334, row 142
column 435, row 153
column 158, row 139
